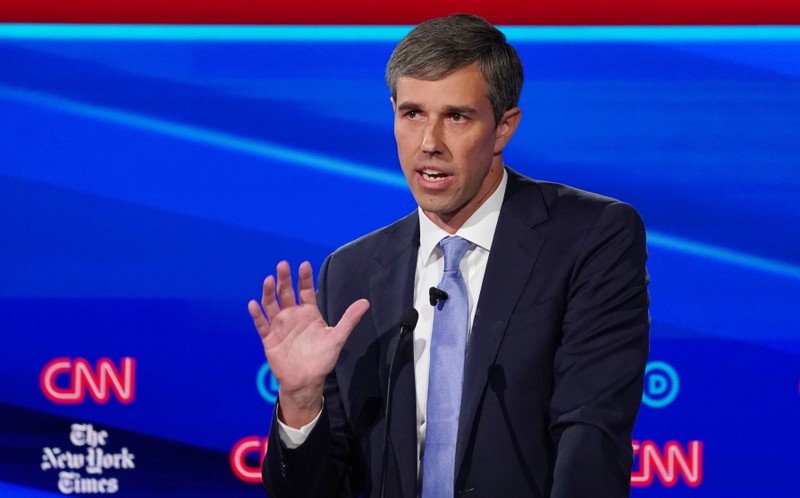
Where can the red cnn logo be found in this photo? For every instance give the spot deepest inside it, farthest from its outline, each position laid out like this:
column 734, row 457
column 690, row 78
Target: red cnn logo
column 99, row 382
column 669, row 464
column 249, row 445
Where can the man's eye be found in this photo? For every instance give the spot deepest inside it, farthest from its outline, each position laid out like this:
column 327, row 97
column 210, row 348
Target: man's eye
column 457, row 117
column 411, row 114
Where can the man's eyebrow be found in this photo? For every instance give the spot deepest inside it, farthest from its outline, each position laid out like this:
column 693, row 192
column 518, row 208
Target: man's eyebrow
column 459, row 109
column 405, row 106
column 450, row 109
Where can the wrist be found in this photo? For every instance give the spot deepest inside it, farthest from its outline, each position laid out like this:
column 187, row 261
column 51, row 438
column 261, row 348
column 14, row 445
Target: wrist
column 299, row 408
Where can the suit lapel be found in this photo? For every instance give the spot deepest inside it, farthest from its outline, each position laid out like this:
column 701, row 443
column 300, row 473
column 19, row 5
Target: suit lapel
column 515, row 248
column 392, row 294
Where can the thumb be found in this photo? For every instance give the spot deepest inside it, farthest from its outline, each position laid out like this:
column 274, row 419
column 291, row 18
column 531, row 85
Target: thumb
column 351, row 318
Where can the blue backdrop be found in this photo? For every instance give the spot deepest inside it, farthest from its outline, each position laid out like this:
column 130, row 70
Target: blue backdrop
column 150, row 177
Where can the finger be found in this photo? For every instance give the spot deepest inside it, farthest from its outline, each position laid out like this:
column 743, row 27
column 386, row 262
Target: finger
column 305, row 284
column 350, row 319
column 286, row 297
column 259, row 320
column 268, row 301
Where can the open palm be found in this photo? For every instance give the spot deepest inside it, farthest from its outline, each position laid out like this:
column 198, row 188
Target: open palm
column 300, row 347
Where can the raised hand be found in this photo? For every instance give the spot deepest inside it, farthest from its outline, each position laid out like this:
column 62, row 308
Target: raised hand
column 300, row 347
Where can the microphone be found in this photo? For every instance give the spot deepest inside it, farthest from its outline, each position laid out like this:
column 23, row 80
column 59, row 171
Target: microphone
column 407, row 325
column 437, row 295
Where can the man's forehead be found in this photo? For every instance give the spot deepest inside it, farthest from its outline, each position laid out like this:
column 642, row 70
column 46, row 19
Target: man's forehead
column 462, row 87
column 472, row 71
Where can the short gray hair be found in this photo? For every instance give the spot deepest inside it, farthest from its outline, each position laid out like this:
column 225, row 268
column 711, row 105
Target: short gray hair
column 439, row 47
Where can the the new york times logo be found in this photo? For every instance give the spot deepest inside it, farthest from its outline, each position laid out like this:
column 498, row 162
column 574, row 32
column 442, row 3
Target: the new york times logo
column 89, row 455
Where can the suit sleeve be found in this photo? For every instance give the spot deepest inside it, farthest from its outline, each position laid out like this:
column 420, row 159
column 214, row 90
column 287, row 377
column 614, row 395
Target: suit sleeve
column 599, row 366
column 325, row 465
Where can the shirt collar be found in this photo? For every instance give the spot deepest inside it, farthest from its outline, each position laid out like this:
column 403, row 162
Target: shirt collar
column 478, row 229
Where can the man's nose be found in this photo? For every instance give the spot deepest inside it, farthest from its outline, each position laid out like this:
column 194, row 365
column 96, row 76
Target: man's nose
column 432, row 138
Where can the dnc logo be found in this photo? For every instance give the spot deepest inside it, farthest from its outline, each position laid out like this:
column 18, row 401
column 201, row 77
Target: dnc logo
column 267, row 384
column 661, row 384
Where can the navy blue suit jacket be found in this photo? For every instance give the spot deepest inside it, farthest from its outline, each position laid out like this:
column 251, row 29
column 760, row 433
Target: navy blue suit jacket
column 554, row 369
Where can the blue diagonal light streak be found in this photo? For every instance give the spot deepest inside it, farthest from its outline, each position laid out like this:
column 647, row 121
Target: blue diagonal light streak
column 340, row 167
column 183, row 131
column 721, row 254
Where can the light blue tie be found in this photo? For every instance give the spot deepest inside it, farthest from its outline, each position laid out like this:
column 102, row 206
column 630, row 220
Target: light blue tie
column 448, row 348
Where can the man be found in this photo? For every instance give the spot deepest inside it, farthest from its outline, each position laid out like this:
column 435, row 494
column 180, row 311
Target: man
column 552, row 325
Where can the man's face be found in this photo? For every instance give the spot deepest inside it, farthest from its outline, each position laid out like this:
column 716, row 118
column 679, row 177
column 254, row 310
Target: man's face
column 449, row 147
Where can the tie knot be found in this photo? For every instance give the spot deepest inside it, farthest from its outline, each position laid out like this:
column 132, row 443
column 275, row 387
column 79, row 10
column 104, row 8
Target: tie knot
column 454, row 249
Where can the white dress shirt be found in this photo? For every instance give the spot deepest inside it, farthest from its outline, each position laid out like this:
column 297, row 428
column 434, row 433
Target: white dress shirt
column 479, row 231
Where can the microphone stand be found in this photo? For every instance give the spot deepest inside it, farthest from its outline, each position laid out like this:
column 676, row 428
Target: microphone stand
column 407, row 326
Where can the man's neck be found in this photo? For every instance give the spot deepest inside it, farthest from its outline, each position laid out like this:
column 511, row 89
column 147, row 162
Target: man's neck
column 452, row 222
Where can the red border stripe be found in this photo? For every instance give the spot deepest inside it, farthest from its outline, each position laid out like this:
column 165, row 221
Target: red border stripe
column 507, row 12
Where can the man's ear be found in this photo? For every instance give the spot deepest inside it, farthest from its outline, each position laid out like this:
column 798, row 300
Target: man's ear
column 506, row 127
column 394, row 105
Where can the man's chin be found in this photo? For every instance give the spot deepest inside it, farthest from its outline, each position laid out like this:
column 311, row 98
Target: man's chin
column 437, row 209
column 439, row 214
